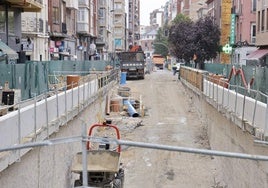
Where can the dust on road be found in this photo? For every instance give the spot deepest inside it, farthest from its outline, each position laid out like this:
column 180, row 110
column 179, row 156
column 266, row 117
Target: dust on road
column 170, row 119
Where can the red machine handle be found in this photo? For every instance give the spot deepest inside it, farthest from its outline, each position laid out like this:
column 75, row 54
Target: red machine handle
column 104, row 125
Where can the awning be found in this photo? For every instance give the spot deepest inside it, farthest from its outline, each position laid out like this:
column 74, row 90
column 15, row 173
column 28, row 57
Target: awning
column 258, row 54
column 9, row 51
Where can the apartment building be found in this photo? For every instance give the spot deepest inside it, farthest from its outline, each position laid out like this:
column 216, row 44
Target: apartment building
column 44, row 30
column 86, row 29
column 148, row 35
column 245, row 30
column 221, row 12
column 133, row 21
column 10, row 25
column 34, row 36
column 260, row 56
column 120, row 25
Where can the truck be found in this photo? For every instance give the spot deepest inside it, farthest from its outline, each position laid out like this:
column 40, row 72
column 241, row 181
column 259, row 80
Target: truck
column 158, row 61
column 133, row 63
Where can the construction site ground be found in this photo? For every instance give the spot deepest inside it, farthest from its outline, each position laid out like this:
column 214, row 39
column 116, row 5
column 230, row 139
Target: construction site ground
column 169, row 119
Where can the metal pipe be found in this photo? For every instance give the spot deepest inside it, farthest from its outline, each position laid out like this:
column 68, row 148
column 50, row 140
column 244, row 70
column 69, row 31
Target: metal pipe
column 193, row 150
column 141, row 145
column 42, row 143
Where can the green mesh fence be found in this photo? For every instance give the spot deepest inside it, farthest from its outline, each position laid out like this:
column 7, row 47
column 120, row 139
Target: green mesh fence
column 32, row 78
column 259, row 76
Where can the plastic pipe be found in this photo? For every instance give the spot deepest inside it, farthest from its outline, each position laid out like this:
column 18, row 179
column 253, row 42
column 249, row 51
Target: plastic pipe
column 131, row 110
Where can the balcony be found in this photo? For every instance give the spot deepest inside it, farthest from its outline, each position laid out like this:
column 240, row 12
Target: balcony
column 72, row 4
column 27, row 5
column 102, row 4
column 119, row 11
column 83, row 3
column 102, row 22
column 83, row 27
column 101, row 41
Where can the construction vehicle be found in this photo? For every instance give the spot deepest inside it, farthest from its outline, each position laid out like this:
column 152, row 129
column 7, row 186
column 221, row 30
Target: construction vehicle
column 104, row 169
column 158, row 61
column 133, row 63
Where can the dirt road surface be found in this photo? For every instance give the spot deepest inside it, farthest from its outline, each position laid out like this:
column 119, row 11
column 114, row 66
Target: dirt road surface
column 170, row 119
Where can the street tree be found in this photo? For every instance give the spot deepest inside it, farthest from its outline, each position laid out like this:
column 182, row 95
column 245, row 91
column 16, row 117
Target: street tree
column 188, row 39
column 180, row 38
column 161, row 42
column 206, row 39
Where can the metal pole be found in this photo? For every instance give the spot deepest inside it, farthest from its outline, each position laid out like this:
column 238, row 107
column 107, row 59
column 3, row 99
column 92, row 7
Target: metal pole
column 6, row 15
column 72, row 100
column 57, row 100
column 78, row 96
column 255, row 106
column 84, row 155
column 266, row 120
column 35, row 118
column 66, row 110
column 47, row 116
column 193, row 150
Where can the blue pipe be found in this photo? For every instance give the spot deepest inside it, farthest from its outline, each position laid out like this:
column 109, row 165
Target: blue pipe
column 131, row 110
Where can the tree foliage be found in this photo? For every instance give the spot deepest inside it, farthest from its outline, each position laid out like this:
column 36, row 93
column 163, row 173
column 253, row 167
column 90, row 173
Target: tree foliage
column 161, row 42
column 180, row 18
column 187, row 38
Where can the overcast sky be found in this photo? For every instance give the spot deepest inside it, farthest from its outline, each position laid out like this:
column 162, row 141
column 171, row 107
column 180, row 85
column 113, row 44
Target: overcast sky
column 146, row 7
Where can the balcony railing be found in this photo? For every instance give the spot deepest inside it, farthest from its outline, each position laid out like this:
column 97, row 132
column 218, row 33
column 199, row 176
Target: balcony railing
column 83, row 3
column 72, row 4
column 101, row 40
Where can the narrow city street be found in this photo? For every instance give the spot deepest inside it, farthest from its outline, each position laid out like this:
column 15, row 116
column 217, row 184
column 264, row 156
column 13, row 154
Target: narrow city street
column 170, row 119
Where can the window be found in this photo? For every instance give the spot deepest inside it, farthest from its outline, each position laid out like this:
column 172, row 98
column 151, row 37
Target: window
column 253, row 33
column 254, row 5
column 11, row 22
column 258, row 21
column 82, row 15
column 101, row 13
column 2, row 22
column 118, row 6
column 41, row 25
column 56, row 15
column 262, row 19
column 267, row 19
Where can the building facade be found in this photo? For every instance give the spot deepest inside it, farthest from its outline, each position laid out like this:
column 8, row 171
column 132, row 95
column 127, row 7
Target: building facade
column 120, row 32
column 245, row 30
column 45, row 30
column 11, row 21
column 133, row 21
column 260, row 56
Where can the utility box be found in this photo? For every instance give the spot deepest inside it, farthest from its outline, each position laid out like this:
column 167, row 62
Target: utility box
column 12, row 98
